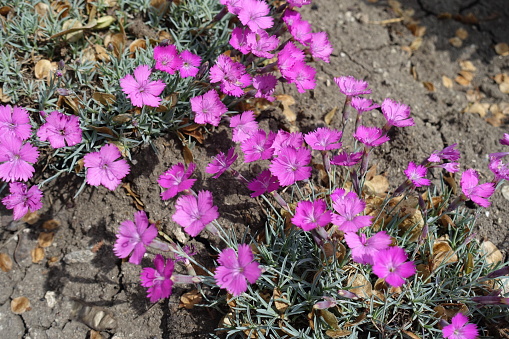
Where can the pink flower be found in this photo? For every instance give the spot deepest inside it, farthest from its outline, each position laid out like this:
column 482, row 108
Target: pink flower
column 499, row 169
column 208, row 108
column 363, row 105
column 190, row 64
column 176, row 179
column 265, row 86
column 370, row 136
column 365, row 249
column 258, row 146
column 291, row 165
column 134, row 237
column 320, row 46
column 234, row 6
column 477, row 193
column 451, row 167
column 288, row 57
column 301, row 31
column 460, row 328
column 346, row 159
column 289, row 17
column 231, row 74
column 324, row 139
column 505, row 139
column 416, row 174
column 391, row 265
column 284, row 139
column 140, row 89
column 236, row 270
column 104, row 169
column 299, row 3
column 195, row 213
column 158, row 280
column 261, row 44
column 397, row 114
column 264, row 183
column 449, row 153
column 311, row 214
column 348, row 206
column 21, row 200
column 244, row 125
column 60, row 130
column 302, row 75
column 255, row 15
column 16, row 159
column 239, row 39
column 14, row 122
column 350, row 86
column 167, row 59
column 221, row 162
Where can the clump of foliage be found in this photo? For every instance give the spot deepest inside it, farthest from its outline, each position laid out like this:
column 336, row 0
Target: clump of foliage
column 342, row 255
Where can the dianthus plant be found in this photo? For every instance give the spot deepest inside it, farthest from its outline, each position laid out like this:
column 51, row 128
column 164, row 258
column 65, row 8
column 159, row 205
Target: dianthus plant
column 347, row 254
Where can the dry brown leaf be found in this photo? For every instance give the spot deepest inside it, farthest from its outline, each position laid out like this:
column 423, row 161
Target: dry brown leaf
column 500, row 78
column 442, row 253
column 474, row 95
column 462, row 80
column 31, row 218
column 477, row 108
column 72, row 103
column 467, row 65
column 5, row 262
column 20, row 305
column 61, row 7
column 411, row 334
column 41, row 9
column 469, row 76
column 338, row 333
column 80, row 164
column 416, row 44
column 461, row 33
column 447, row 82
column 504, row 87
column 329, row 116
column 72, row 30
column 117, row 41
column 190, row 299
column 4, row 97
column 50, row 225
column 101, row 54
column 329, row 318
column 139, row 204
column 502, row 49
column 95, row 335
column 469, row 19
column 287, row 101
column 456, row 42
column 45, row 239
column 497, row 119
column 377, row 185
column 429, row 86
column 37, row 254
column 492, row 253
column 279, row 301
column 104, row 98
column 413, row 71
column 416, row 29
column 44, row 68
column 136, row 45
column 188, row 155
column 361, row 286
column 448, row 310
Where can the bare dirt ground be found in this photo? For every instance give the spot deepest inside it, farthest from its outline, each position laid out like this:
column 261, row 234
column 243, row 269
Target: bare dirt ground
column 80, row 273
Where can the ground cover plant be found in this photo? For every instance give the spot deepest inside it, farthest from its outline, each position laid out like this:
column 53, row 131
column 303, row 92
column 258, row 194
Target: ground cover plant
column 341, row 254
